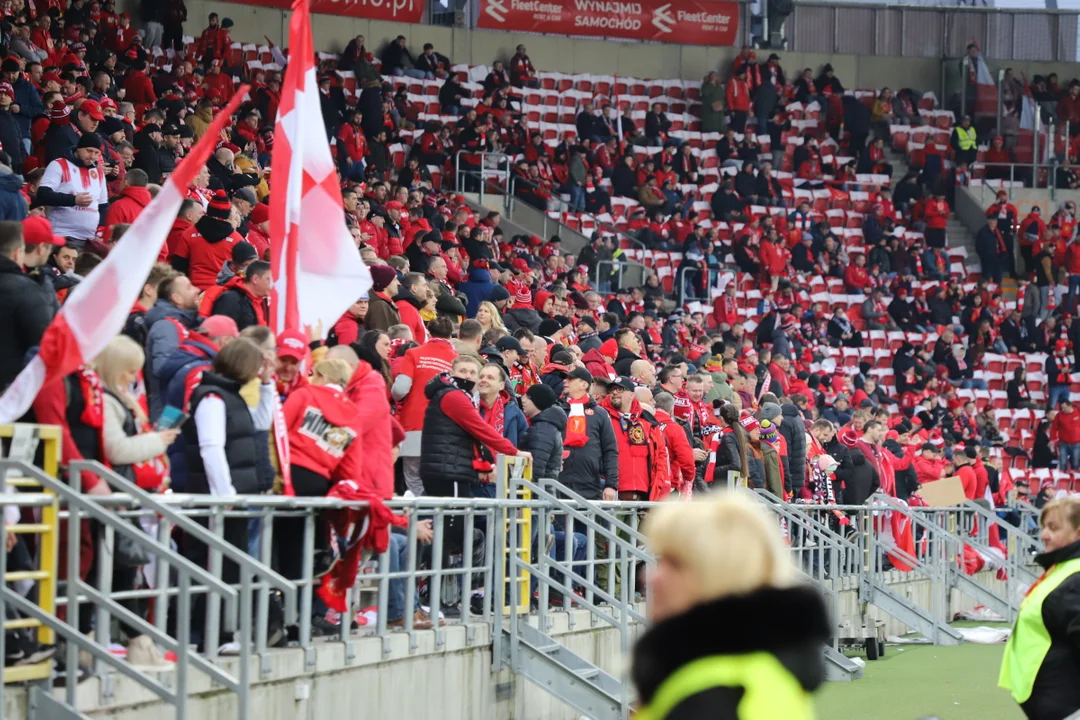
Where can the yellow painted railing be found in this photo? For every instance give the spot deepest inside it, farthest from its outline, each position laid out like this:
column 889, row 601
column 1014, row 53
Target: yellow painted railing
column 46, row 528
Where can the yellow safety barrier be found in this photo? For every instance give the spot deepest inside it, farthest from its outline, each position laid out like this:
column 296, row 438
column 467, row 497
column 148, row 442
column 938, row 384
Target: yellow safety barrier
column 47, row 530
column 512, row 467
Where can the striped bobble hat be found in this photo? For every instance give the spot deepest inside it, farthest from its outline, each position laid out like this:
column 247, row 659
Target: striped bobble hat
column 219, row 206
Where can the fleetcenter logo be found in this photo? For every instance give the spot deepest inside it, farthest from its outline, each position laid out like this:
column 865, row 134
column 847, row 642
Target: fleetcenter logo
column 662, row 20
column 496, row 9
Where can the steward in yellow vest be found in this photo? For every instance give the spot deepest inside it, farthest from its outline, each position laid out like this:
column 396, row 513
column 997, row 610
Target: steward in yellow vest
column 756, row 656
column 1041, row 666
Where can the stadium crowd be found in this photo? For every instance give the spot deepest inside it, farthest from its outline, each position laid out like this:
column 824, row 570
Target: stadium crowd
column 476, row 342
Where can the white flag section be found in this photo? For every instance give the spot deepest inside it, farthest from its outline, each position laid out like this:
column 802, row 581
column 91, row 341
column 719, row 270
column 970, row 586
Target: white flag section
column 97, row 308
column 318, row 273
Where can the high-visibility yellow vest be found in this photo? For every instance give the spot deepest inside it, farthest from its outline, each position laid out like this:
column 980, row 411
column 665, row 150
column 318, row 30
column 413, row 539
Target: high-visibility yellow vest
column 966, row 138
column 1030, row 640
column 770, row 690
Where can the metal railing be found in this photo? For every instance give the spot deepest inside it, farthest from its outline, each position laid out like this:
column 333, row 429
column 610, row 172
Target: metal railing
column 538, row 547
column 495, row 169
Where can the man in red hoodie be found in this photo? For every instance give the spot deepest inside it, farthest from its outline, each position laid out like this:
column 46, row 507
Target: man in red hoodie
column 133, row 198
column 204, row 248
column 413, row 295
column 190, row 212
column 138, row 90
column 738, row 99
column 937, row 218
column 417, row 368
column 1065, row 431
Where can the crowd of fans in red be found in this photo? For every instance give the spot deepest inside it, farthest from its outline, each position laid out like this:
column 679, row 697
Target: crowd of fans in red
column 818, row 362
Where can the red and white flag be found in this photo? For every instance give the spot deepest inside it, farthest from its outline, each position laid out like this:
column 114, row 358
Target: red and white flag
column 98, row 307
column 318, row 273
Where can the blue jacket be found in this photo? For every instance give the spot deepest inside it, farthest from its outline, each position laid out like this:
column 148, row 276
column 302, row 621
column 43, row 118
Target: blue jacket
column 30, row 106
column 514, row 423
column 12, row 205
column 191, row 355
column 477, row 288
column 161, row 340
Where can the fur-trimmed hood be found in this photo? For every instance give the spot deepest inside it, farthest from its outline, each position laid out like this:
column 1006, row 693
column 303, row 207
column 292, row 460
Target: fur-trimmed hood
column 790, row 623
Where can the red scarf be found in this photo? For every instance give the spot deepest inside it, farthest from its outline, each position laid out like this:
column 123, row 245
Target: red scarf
column 351, row 530
column 576, row 424
column 495, row 416
column 523, row 377
column 711, row 467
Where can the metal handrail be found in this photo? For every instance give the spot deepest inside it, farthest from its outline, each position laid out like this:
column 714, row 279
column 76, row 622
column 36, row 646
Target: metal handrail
column 79, row 504
column 609, row 229
column 483, row 172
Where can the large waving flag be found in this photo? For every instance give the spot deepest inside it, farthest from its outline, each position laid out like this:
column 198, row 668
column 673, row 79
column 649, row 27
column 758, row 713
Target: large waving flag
column 318, row 273
column 97, row 307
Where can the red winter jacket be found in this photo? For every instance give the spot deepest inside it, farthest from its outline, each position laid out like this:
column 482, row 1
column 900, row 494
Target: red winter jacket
column 421, row 364
column 772, row 260
column 353, row 142
column 411, row 316
column 127, row 207
column 367, row 390
column 597, row 366
column 347, row 329
column 738, row 95
column 643, row 455
column 324, row 432
column 1066, row 427
column 138, row 90
column 681, row 455
column 937, row 214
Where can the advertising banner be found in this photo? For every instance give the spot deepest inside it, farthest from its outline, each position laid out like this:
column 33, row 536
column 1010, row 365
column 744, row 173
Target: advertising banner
column 688, row 22
column 407, row 11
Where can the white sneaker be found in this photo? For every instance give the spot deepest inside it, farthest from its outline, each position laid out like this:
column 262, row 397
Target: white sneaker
column 230, row 648
column 142, row 652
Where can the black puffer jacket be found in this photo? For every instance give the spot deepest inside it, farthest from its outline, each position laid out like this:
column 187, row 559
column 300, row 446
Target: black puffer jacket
column 446, row 449
column 1056, row 694
column 27, row 312
column 727, row 459
column 523, row 317
column 794, row 431
column 589, row 468
column 240, row 450
column 862, row 481
column 544, row 439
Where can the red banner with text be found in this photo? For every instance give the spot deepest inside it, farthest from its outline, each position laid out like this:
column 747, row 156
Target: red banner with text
column 688, row 22
column 407, row 11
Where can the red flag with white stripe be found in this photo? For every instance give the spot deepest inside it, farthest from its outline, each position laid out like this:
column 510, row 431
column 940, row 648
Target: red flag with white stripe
column 318, row 273
column 97, row 308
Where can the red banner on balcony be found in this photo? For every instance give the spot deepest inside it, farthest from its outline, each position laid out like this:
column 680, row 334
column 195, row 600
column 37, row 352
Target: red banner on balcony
column 407, row 11
column 688, row 22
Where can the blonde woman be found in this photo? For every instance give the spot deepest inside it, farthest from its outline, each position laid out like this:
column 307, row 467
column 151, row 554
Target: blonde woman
column 138, row 454
column 127, row 442
column 488, row 316
column 734, row 634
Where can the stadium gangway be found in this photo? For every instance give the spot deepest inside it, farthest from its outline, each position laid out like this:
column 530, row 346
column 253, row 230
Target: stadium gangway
column 825, row 559
column 877, row 560
column 942, row 541
column 82, row 508
column 528, row 650
column 495, row 168
column 834, row 563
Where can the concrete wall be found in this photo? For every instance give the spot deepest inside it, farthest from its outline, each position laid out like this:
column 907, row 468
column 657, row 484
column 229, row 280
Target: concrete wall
column 451, row 682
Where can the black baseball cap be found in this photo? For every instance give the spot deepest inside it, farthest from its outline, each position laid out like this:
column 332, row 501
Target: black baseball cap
column 623, row 383
column 580, row 373
column 509, row 343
